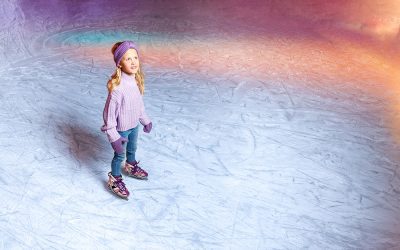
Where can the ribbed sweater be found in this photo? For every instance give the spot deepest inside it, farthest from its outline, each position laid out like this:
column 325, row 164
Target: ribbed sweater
column 124, row 108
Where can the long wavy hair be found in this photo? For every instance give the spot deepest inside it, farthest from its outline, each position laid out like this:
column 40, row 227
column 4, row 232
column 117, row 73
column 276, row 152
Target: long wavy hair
column 116, row 76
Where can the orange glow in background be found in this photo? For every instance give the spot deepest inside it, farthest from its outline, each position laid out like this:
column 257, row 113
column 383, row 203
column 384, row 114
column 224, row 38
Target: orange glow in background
column 339, row 46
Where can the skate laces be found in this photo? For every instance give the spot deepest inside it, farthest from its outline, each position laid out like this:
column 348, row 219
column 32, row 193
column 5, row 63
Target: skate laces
column 135, row 164
column 138, row 170
column 120, row 184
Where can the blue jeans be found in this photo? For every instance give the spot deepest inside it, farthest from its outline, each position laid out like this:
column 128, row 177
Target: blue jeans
column 129, row 150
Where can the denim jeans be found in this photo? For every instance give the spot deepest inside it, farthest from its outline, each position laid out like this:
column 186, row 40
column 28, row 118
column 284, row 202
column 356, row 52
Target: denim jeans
column 129, row 150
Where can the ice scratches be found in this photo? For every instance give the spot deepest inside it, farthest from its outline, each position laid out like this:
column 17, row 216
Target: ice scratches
column 267, row 133
column 162, row 204
column 211, row 142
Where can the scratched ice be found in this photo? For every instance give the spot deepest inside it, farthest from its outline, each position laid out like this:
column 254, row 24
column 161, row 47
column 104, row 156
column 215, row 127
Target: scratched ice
column 276, row 125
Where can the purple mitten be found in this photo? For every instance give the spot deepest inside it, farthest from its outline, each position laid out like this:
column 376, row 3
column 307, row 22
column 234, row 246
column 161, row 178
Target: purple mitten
column 147, row 128
column 117, row 145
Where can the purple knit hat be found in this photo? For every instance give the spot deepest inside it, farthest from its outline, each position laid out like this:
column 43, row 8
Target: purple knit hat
column 121, row 49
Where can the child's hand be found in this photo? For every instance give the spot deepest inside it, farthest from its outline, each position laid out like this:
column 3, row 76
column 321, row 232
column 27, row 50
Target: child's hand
column 118, row 145
column 147, row 128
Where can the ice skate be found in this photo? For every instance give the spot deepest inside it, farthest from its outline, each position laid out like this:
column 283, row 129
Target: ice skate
column 117, row 186
column 132, row 169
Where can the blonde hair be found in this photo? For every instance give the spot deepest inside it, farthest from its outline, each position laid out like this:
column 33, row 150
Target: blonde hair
column 116, row 76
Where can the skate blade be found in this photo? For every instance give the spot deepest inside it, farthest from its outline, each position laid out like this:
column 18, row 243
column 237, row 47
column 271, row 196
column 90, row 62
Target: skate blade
column 120, row 196
column 138, row 177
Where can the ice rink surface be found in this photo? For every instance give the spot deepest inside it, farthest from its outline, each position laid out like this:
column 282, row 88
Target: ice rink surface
column 276, row 125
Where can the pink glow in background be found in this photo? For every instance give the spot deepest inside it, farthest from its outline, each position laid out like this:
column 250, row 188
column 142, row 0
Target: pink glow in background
column 276, row 124
column 306, row 42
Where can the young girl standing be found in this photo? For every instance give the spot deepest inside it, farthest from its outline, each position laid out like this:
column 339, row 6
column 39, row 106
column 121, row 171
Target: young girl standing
column 123, row 111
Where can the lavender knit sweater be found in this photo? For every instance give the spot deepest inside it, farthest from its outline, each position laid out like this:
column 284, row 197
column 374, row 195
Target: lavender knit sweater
column 124, row 108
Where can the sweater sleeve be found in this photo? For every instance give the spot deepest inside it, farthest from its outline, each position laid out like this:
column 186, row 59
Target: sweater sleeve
column 110, row 116
column 144, row 119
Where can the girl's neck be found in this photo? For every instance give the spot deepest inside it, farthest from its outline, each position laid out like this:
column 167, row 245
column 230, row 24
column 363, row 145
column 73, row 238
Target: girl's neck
column 127, row 75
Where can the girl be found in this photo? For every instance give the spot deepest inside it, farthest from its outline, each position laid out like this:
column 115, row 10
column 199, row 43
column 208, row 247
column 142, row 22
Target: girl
column 123, row 110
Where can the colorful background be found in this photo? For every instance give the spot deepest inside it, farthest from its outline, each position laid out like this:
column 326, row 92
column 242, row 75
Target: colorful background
column 276, row 125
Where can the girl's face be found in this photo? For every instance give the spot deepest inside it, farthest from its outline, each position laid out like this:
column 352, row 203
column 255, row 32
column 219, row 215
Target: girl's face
column 130, row 62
